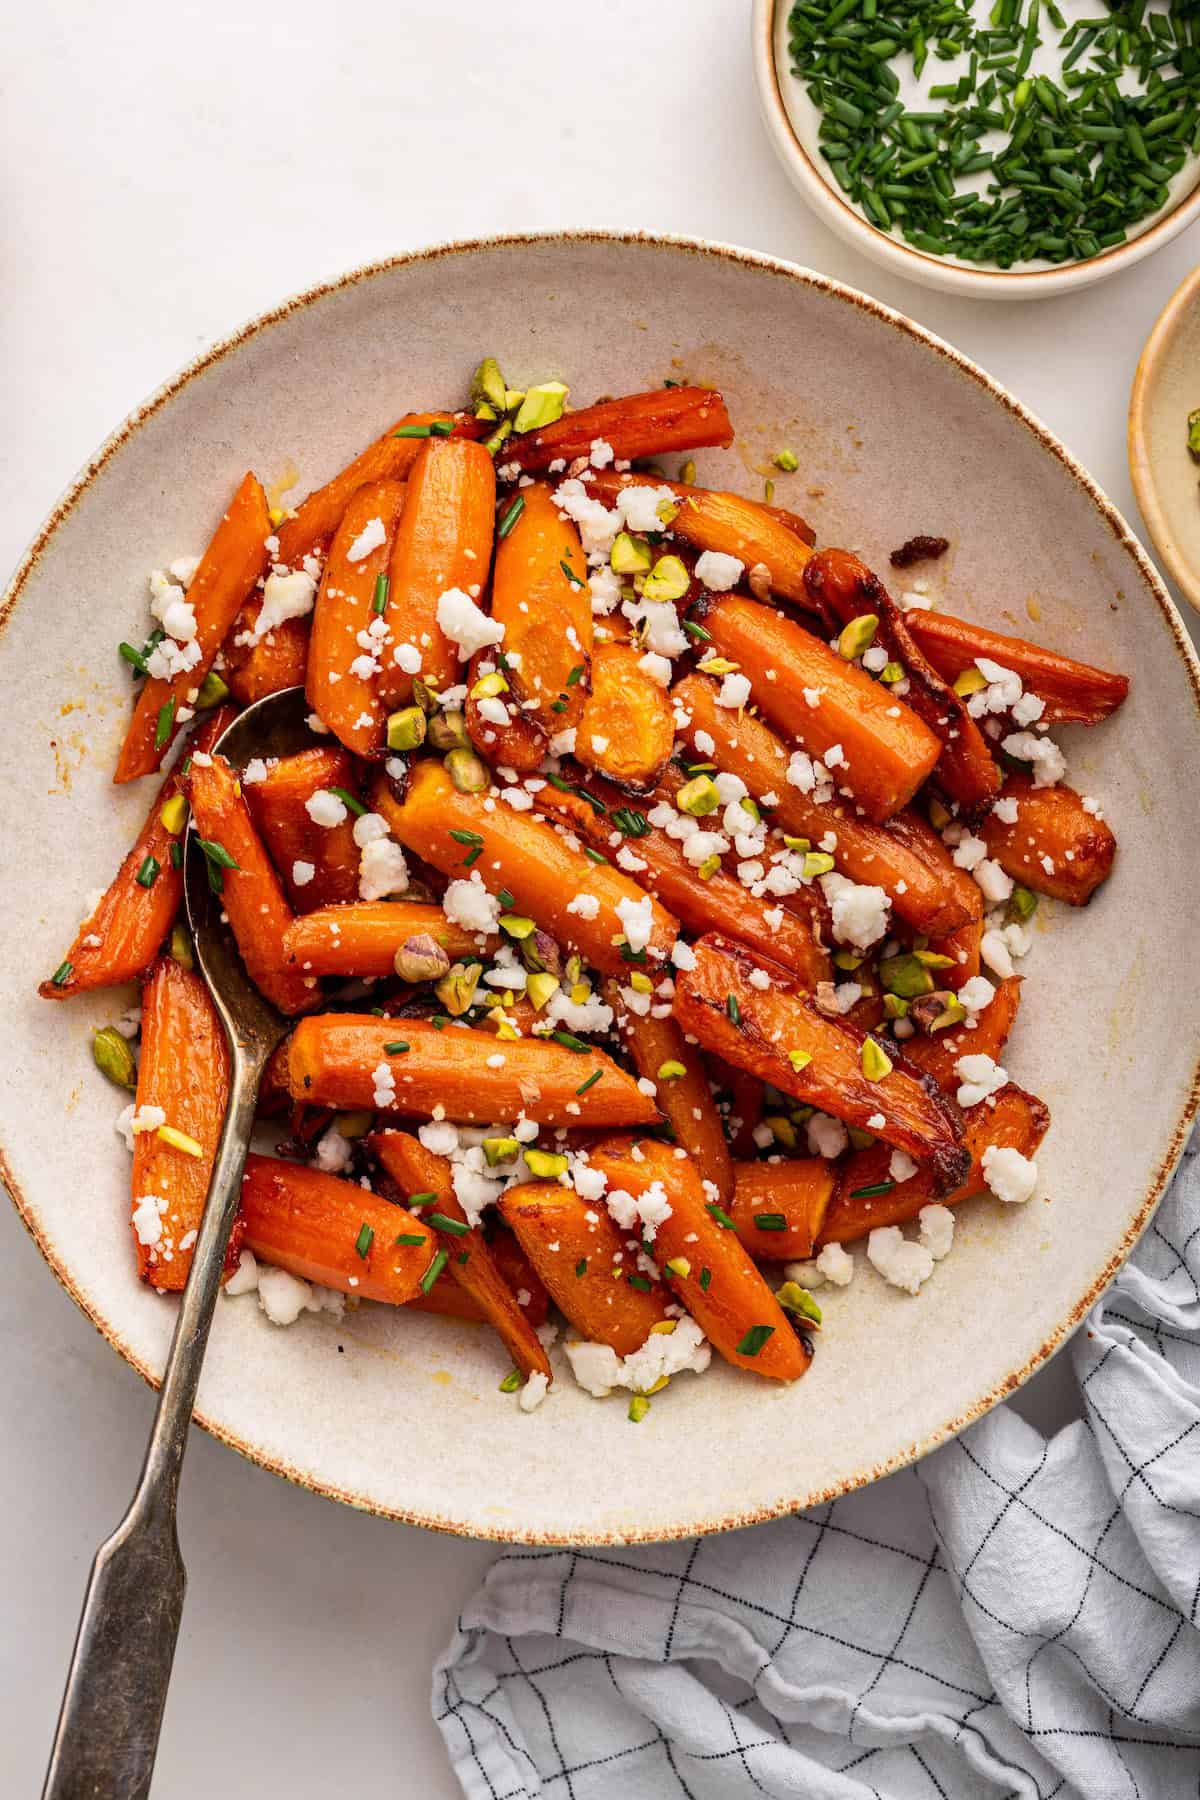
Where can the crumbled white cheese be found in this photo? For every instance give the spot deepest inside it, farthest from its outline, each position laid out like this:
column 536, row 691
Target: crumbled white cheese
column 1011, row 1176
column 638, row 506
column 290, row 595
column 534, row 1392
column 980, row 1076
column 637, row 917
column 382, row 869
column 302, row 872
column 371, row 537
column 147, row 1219
column 468, row 903
column 976, row 994
column 598, row 1368
column 992, row 882
column 826, row 1136
column 324, row 808
column 734, row 692
column 860, row 913
column 467, row 628
column 836, row 1265
column 901, row 1166
column 586, row 906
column 244, row 1279
column 936, row 1230
column 333, row 1152
column 1042, row 753
column 718, row 571
column 1005, row 809
column 901, row 1262
column 136, row 1119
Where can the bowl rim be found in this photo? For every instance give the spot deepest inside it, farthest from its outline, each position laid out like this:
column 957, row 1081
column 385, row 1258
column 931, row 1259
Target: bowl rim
column 724, row 254
column 1183, row 571
column 904, row 258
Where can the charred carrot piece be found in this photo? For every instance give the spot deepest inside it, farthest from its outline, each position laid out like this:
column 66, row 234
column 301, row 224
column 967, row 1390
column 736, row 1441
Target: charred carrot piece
column 868, row 1195
column 706, row 1266
column 251, row 895
column 255, row 667
column 582, row 1259
column 123, row 933
column 627, row 727
column 471, row 1264
column 334, row 1060
column 334, row 1232
column 1055, row 844
column 342, row 688
column 517, row 743
column 745, row 1102
column 937, row 1054
column 443, row 541
column 882, row 750
column 235, row 560
column 278, row 806
column 540, row 594
column 962, row 947
column 362, row 939
column 966, row 772
column 682, row 418
column 660, row 1054
column 520, row 852
column 184, row 1070
column 451, row 1300
column 778, row 1206
column 1074, row 692
column 768, row 1032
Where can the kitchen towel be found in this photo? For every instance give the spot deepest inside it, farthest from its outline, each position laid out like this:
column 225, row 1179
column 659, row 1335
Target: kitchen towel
column 1016, row 1616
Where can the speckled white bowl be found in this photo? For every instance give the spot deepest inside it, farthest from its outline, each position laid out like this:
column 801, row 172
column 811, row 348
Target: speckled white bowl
column 407, row 1420
column 1166, row 479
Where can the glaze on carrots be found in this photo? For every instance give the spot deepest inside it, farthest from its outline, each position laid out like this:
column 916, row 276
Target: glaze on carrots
column 1055, row 845
column 362, row 939
column 327, row 856
column 334, row 1232
column 637, row 425
column 341, row 690
column 540, row 595
column 660, row 1054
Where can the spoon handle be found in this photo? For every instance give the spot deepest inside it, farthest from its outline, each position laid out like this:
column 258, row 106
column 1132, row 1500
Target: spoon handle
column 107, row 1736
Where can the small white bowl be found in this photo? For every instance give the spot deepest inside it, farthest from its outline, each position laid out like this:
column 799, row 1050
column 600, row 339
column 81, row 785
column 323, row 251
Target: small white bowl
column 792, row 120
column 1166, row 389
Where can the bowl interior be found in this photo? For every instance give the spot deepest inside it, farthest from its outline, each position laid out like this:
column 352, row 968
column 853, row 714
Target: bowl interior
column 1166, row 476
column 895, row 435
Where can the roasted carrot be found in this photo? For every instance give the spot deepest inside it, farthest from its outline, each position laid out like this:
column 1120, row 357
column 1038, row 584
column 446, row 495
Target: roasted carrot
column 903, row 856
column 234, row 561
column 519, row 852
column 759, row 536
column 362, row 939
column 443, row 541
column 122, row 934
column 255, row 667
column 518, row 743
column 451, row 1300
column 1074, row 692
column 627, row 729
column 778, row 1206
column 1055, row 845
column 937, row 1053
column 962, row 947
column 868, row 1195
column 585, row 1264
column 767, row 1031
column 278, row 806
column 966, row 772
column 882, row 750
column 334, row 1060
column 251, row 895
column 184, row 1070
column 636, row 425
column 342, row 687
column 334, row 1232
column 745, row 1103
column 708, row 1270
column 419, row 1171
column 684, row 1097
column 540, row 595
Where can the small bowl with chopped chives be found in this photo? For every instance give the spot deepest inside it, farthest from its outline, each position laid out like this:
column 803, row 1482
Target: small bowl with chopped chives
column 1164, row 437
column 1010, row 149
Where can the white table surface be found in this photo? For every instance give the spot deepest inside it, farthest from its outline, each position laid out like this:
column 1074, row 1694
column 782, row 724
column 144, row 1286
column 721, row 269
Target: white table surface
column 169, row 171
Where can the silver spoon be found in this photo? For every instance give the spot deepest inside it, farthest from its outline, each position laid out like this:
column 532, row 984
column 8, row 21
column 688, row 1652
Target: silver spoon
column 107, row 1736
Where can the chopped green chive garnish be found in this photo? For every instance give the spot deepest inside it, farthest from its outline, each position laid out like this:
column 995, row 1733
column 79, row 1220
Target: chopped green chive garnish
column 439, row 1021
column 575, row 675
column 62, row 974
column 379, row 603
column 630, row 822
column 511, row 1382
column 147, row 875
column 640, row 1283
column 770, row 1221
column 570, row 1042
column 875, row 1187
column 364, row 1240
column 511, row 516
column 399, row 1048
column 471, row 857
column 590, row 1082
column 441, row 428
column 571, row 576
column 705, row 1279
column 697, row 631
column 350, row 801
column 413, row 431
column 410, row 1237
column 594, row 855
column 723, row 1220
column 733, row 1009
column 639, row 1406
column 630, row 955
column 176, row 854
column 434, row 1270
column 463, row 1256
column 421, row 1199
column 444, row 1222
column 581, row 1266
column 134, row 657
column 466, row 837
column 215, row 853
column 754, row 1340
column 166, row 723
column 506, row 900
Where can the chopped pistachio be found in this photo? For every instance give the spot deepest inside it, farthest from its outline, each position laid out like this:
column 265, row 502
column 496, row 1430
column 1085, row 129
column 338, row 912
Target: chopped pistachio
column 513, row 398
column 671, row 1070
column 1193, row 437
column 781, row 1129
column 678, row 1265
column 179, row 1140
column 172, row 814
column 718, row 665
column 406, row 729
column 498, row 437
column 905, row 976
column 639, row 1406
column 970, row 681
column 876, row 1063
column 795, row 1299
column 708, row 868
column 859, row 1139
column 581, row 991
column 666, row 510
column 817, row 863
column 667, row 580
column 894, row 1007
column 857, row 635
column 114, row 1058
column 664, row 1328
column 953, row 1012
column 541, row 406
column 939, row 815
column 456, row 989
column 848, row 960
column 514, row 926
column 688, row 472
column 469, row 773
column 421, row 958
column 506, row 1031
column 488, row 385
column 641, row 984
column 799, row 1059
column 447, row 731
column 933, row 959
column 787, row 460
column 891, row 673
column 488, row 686
column 353, row 1125
column 539, row 986
column 541, row 954
column 769, row 491
column 499, row 1150
column 486, row 413
column 180, row 947
column 512, row 1381
column 546, row 1165
column 699, row 797
column 1023, row 902
column 630, row 555
column 574, row 969
column 425, row 694
column 798, row 843
column 212, row 691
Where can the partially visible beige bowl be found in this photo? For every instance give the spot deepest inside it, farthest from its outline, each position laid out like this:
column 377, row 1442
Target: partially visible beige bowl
column 1166, row 480
column 896, row 434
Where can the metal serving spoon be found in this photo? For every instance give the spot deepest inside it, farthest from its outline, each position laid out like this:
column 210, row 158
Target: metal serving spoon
column 107, row 1736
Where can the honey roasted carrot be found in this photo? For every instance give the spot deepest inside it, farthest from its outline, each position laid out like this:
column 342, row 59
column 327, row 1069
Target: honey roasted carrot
column 1055, row 845
column 336, row 1059
column 123, row 932
column 1074, row 692
column 343, row 671
column 234, row 561
column 745, row 1103
column 937, row 1053
column 257, row 666
column 318, row 864
column 334, row 1232
column 882, row 751
column 636, row 425
column 362, row 938
column 450, row 1300
column 962, row 947
column 251, row 894
column 780, row 1035
column 660, row 1054
column 778, row 1206
column 627, row 727
column 516, row 743
column 184, row 1071
column 540, row 595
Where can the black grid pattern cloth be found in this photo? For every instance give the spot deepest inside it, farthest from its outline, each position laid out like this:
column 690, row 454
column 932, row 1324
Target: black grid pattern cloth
column 1018, row 1616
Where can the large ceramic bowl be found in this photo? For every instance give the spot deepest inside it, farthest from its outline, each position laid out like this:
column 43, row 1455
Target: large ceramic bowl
column 896, row 433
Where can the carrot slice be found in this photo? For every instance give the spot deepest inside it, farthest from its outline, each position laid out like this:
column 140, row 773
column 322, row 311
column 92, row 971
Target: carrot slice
column 235, row 560
column 278, row 807
column 582, row 1258
column 937, row 1054
column 660, row 1055
column 255, row 667
column 122, row 934
column 778, row 1206
column 362, row 939
column 760, row 1029
column 451, row 1300
column 540, row 595
column 1074, row 692
column 1055, row 845
column 251, row 894
column 418, row 1171
column 1013, row 1120
column 682, row 418
column 184, row 1069
column 627, row 729
column 443, row 541
column 333, row 1232
column 346, row 697
column 333, row 1060
column 708, row 1270
column 518, row 743
column 903, row 856
column 745, row 1101
column 886, row 751
column 526, row 856
column 962, row 947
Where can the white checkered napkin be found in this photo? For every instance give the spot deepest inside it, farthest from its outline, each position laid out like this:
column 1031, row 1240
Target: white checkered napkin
column 1020, row 1617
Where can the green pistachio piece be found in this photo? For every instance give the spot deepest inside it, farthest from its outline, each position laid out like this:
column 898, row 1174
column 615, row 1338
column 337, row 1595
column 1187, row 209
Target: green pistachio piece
column 547, row 1165
column 469, row 773
column 488, row 386
column 1193, row 438
column 698, row 797
column 630, row 555
column 421, row 958
column 857, row 635
column 905, row 976
column 499, row 1150
column 667, row 580
column 541, row 406
column 795, row 1299
column 212, row 691
column 787, row 460
column 447, row 731
column 114, row 1058
column 406, row 729
column 456, row 990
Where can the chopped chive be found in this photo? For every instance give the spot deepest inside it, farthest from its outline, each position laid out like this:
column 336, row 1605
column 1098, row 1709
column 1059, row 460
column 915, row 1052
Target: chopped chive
column 770, row 1221
column 215, row 853
column 720, row 1215
column 594, row 855
column 640, row 1283
column 697, row 631
column 510, row 517
column 434, row 1270
column 444, row 1222
column 62, row 974
column 147, row 875
column 423, row 1199
column 506, row 901
column 397, row 1049
column 570, row 1042
column 350, row 801
column 134, row 657
column 471, row 857
column 176, row 854
column 413, row 431
column 441, row 428
column 466, row 837
column 410, row 1237
column 754, row 1340
column 364, row 1240
column 705, row 1279
column 379, row 603
column 581, row 1266
column 630, row 822
column 165, row 724
column 733, row 1009
column 575, row 675
column 590, row 1082
column 875, row 1187
column 571, row 576
column 511, row 1382
column 463, row 1256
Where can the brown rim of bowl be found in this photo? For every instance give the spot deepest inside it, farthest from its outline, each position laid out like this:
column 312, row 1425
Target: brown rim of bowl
column 701, row 249
column 1141, row 469
column 1187, row 205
